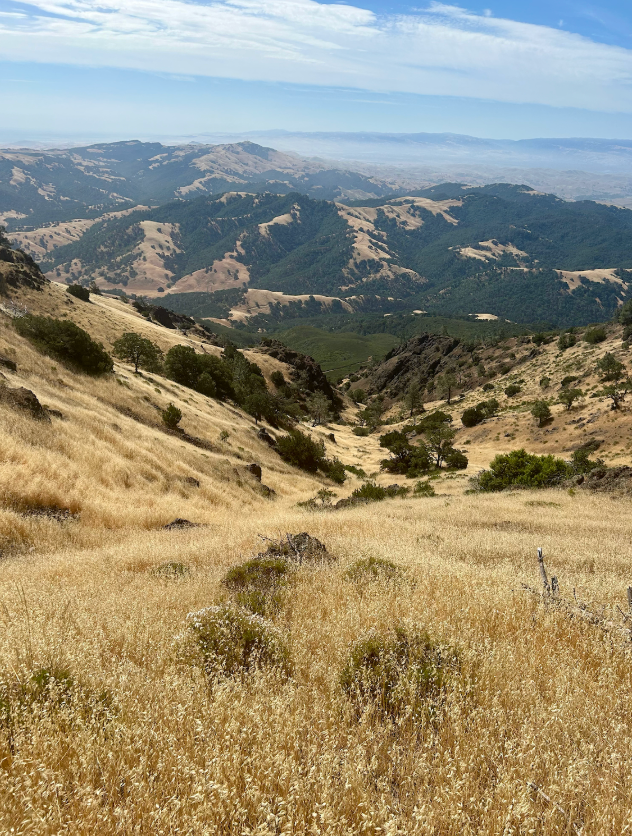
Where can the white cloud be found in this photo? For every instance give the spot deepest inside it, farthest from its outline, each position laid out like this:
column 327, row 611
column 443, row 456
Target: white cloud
column 442, row 50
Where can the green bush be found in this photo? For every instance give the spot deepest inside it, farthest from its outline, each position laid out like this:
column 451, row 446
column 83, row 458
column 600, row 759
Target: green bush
column 374, row 569
column 361, row 431
column 424, row 489
column 541, row 412
column 138, row 350
column 79, row 292
column 397, row 673
column 545, row 382
column 513, row 390
column 372, row 492
column 277, row 378
column 522, row 469
column 171, row 416
column 488, row 387
column 228, row 640
column 456, row 460
column 566, row 381
column 595, row 335
column 66, row 342
column 258, row 584
column 298, row 449
column 472, row 416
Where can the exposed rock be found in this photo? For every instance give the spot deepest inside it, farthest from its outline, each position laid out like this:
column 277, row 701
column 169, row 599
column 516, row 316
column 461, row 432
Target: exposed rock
column 350, row 502
column 8, row 364
column 269, row 493
column 419, row 359
column 51, row 512
column 180, row 523
column 301, row 548
column 192, row 481
column 332, row 438
column 616, row 479
column 55, row 413
column 255, row 470
column 264, row 435
column 590, row 446
column 304, row 369
column 23, row 399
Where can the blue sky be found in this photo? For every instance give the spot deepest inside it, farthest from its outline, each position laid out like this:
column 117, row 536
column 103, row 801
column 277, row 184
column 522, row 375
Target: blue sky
column 123, row 68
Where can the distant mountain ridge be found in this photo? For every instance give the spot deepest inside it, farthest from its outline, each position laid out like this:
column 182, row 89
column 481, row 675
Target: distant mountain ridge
column 38, row 188
column 500, row 251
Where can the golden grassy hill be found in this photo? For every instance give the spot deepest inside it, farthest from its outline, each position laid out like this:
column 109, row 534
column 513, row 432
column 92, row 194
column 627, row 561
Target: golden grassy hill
column 142, row 743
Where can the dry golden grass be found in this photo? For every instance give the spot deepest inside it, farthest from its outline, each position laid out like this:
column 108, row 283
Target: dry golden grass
column 540, row 698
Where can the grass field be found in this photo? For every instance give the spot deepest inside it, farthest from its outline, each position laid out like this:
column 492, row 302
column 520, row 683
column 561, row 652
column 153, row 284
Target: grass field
column 339, row 353
column 135, row 740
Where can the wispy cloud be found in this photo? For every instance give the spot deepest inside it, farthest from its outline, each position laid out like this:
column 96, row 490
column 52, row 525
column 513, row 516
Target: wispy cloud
column 441, row 50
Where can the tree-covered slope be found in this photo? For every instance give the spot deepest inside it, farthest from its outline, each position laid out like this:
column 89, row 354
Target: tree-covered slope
column 500, row 250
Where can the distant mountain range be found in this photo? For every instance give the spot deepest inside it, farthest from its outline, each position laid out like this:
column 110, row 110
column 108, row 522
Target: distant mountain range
column 38, row 187
column 495, row 251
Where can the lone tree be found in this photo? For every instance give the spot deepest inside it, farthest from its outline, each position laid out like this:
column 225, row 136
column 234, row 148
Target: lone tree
column 413, row 399
column 569, row 396
column 541, row 412
column 614, row 373
column 448, row 383
column 319, row 407
column 141, row 352
column 439, row 442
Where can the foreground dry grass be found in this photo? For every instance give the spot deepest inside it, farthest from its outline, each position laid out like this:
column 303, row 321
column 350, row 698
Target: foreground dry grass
column 541, row 698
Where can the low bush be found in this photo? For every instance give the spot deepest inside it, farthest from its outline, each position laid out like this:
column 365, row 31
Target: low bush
column 258, row 584
column 171, row 416
column 595, row 335
column 361, row 431
column 372, row 492
column 374, row 569
column 79, row 292
column 524, row 470
column 298, row 449
column 397, row 673
column 513, row 389
column 488, row 387
column 424, row 489
column 456, row 460
column 228, row 640
column 66, row 342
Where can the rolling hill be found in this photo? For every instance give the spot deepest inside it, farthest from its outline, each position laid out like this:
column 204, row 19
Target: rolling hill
column 43, row 188
column 499, row 251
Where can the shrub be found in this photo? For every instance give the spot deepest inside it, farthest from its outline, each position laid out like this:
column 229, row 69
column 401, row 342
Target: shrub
column 372, row 492
column 79, row 292
column 374, row 569
column 357, row 395
column 456, row 460
column 522, row 469
column 228, row 640
column 595, row 335
column 258, row 584
column 66, row 342
column 566, row 381
column 424, row 489
column 171, row 416
column 472, row 416
column 488, row 387
column 300, row 450
column 361, row 431
column 357, row 471
column 277, row 378
column 397, row 673
column 545, row 382
column 513, row 389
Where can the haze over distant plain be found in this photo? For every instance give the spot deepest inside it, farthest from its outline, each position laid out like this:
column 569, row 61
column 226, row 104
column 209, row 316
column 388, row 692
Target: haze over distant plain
column 113, row 70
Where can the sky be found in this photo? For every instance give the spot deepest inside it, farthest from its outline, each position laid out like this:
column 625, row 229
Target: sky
column 143, row 68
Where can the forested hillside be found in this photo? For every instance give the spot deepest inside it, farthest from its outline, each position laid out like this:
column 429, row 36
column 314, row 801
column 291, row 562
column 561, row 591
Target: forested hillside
column 501, row 251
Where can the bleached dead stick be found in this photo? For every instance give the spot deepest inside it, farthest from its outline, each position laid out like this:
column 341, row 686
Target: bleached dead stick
column 532, row 785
